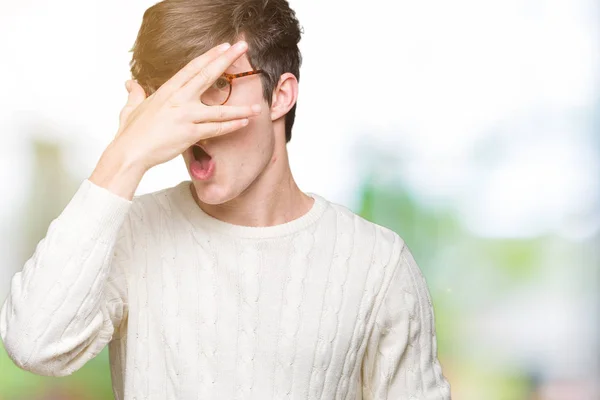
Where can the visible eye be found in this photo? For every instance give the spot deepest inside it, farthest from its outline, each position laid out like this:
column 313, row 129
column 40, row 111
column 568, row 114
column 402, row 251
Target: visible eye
column 221, row 83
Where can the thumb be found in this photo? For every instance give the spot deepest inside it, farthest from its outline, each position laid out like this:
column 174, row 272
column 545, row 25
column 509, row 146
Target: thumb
column 136, row 93
column 135, row 98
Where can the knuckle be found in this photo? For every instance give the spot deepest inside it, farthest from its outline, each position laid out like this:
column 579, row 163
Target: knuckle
column 220, row 129
column 221, row 112
column 180, row 113
column 204, row 74
column 174, row 103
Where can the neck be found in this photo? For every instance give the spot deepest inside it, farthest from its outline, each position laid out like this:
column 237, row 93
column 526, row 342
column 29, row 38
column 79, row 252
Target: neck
column 272, row 199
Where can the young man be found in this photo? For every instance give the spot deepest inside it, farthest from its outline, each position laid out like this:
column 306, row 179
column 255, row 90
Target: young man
column 236, row 284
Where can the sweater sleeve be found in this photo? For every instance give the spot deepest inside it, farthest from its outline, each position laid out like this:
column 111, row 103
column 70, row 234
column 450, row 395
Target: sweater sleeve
column 69, row 299
column 401, row 361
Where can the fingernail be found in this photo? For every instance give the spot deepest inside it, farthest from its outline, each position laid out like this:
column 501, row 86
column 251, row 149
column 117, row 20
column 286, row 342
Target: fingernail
column 224, row 47
column 256, row 108
column 245, row 122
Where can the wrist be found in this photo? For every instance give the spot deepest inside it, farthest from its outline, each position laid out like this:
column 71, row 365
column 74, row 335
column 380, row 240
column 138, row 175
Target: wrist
column 118, row 172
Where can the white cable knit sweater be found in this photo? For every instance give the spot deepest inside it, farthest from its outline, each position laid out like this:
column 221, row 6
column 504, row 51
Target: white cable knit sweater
column 327, row 306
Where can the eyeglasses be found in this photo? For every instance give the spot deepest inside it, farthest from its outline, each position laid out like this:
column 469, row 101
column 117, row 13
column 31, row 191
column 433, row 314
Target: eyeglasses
column 220, row 90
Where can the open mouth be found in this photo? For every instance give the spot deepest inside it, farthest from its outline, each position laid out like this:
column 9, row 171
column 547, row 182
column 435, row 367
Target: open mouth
column 199, row 153
column 202, row 166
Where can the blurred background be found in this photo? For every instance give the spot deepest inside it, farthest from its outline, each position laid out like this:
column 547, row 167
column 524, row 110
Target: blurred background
column 471, row 128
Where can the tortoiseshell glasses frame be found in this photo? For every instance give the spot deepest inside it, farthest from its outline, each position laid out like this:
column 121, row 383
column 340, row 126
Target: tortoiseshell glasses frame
column 229, row 78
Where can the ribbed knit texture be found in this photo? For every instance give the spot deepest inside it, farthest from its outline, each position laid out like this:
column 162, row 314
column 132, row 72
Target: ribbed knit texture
column 327, row 306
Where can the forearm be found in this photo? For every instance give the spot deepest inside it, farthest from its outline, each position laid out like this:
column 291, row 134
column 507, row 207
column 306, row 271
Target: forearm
column 59, row 311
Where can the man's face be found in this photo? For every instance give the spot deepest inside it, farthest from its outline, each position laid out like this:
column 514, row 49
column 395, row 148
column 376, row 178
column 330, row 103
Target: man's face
column 242, row 155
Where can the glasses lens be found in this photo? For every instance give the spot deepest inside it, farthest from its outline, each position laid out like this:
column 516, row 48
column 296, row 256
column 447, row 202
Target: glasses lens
column 217, row 93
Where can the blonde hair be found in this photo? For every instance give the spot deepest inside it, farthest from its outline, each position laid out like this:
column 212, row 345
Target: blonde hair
column 173, row 32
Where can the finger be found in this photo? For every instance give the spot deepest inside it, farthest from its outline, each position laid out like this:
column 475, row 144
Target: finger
column 212, row 129
column 199, row 113
column 191, row 69
column 207, row 75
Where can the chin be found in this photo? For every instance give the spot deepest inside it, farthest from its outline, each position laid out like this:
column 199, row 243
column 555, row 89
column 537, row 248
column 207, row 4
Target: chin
column 209, row 192
column 213, row 193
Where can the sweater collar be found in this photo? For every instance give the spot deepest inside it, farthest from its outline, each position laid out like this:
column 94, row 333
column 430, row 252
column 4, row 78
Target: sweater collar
column 198, row 215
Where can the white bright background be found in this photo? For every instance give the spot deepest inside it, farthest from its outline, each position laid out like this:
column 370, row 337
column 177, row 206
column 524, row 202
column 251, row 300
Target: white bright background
column 441, row 73
column 435, row 80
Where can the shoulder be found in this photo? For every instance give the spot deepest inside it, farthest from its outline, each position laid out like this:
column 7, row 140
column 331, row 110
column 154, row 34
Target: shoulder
column 348, row 221
column 387, row 245
column 393, row 272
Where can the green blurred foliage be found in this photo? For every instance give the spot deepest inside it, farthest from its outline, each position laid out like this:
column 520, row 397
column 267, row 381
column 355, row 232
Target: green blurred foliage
column 91, row 382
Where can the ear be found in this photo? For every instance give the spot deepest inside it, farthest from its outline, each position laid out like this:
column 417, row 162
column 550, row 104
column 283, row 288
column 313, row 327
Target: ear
column 284, row 96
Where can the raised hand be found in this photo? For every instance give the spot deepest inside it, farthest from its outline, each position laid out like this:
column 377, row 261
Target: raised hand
column 158, row 128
